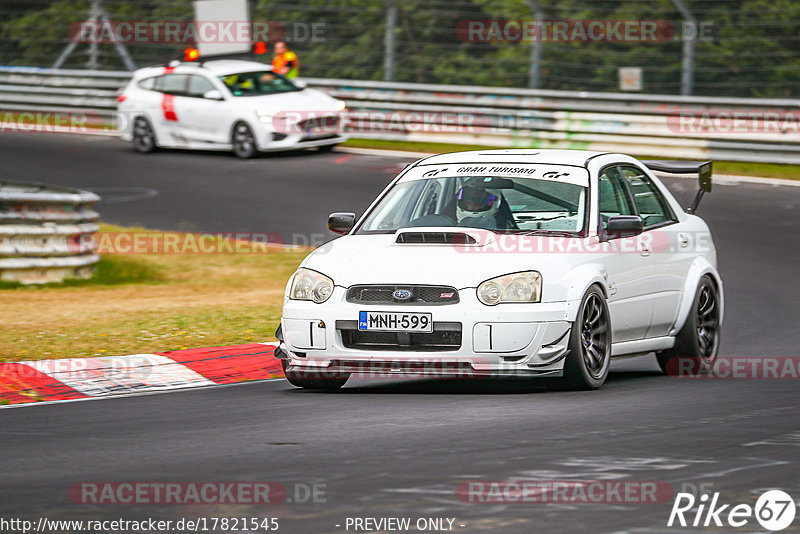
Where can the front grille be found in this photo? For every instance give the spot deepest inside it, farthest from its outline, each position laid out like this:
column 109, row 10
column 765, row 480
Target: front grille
column 321, row 125
column 445, row 337
column 321, row 137
column 384, row 294
column 319, row 128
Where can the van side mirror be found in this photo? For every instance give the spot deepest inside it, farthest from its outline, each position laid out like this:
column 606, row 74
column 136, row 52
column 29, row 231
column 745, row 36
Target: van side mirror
column 341, row 222
column 213, row 95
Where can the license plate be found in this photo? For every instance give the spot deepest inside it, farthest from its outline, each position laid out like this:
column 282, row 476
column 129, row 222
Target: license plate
column 395, row 321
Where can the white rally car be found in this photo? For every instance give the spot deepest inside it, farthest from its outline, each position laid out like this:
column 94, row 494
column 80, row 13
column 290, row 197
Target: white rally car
column 508, row 263
column 225, row 104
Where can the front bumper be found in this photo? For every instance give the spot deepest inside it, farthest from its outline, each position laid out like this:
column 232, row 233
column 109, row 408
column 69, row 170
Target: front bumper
column 297, row 142
column 503, row 340
column 299, row 135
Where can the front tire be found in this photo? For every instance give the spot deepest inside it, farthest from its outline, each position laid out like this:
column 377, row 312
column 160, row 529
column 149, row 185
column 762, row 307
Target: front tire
column 144, row 138
column 589, row 357
column 309, row 382
column 243, row 141
column 697, row 343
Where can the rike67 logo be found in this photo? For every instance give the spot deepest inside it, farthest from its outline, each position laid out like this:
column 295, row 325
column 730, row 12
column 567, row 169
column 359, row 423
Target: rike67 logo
column 774, row 510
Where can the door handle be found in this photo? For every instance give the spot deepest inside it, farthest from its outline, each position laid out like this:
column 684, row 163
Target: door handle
column 683, row 240
column 644, row 249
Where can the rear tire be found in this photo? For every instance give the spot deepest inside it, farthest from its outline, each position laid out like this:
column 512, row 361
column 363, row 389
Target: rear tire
column 589, row 357
column 243, row 141
column 144, row 138
column 300, row 380
column 697, row 342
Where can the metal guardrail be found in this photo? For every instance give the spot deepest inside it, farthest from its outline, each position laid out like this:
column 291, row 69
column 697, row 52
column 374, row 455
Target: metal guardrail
column 46, row 233
column 498, row 116
column 35, row 89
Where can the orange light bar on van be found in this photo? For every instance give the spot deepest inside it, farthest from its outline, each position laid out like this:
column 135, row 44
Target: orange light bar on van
column 191, row 54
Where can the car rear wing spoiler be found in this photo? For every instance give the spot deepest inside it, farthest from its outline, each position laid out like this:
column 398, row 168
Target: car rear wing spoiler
column 701, row 168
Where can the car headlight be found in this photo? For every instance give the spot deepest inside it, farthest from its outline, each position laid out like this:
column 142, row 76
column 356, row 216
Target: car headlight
column 515, row 287
column 264, row 115
column 340, row 105
column 311, row 285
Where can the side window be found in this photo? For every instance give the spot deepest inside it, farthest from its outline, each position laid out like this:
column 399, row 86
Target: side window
column 147, row 83
column 198, row 86
column 612, row 196
column 172, row 84
column 652, row 205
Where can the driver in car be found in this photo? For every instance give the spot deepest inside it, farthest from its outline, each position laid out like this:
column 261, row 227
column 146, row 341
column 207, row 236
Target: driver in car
column 479, row 207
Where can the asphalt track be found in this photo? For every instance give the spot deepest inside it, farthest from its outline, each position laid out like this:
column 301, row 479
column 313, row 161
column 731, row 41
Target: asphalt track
column 391, row 448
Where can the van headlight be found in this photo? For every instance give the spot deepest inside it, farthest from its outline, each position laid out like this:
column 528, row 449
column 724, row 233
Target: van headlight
column 515, row 287
column 311, row 285
column 264, row 116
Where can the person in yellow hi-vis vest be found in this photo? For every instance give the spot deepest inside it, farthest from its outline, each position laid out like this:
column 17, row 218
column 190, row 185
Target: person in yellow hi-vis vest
column 285, row 61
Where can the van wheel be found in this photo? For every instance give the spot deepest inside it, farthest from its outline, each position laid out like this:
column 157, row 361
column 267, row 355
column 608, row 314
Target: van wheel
column 243, row 141
column 144, row 139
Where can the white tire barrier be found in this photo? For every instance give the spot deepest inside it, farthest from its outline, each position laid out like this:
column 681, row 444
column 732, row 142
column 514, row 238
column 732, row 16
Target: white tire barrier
column 47, row 234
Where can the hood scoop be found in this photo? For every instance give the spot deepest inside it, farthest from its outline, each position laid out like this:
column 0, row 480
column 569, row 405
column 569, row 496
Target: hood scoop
column 434, row 237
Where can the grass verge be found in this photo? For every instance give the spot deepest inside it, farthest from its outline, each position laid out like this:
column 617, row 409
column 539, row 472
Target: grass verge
column 139, row 303
column 738, row 168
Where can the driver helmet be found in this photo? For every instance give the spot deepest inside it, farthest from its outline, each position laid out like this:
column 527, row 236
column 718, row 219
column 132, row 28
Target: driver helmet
column 477, row 202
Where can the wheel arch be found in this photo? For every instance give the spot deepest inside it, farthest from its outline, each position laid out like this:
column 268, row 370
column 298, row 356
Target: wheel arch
column 582, row 279
column 699, row 268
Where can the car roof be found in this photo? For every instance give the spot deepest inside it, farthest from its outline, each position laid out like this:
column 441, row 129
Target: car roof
column 215, row 67
column 222, row 67
column 524, row 155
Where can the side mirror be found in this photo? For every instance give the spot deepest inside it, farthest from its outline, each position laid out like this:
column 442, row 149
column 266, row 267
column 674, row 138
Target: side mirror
column 300, row 83
column 341, row 223
column 624, row 226
column 213, row 95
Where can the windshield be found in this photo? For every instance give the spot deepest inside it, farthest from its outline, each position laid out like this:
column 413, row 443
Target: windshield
column 491, row 203
column 257, row 83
